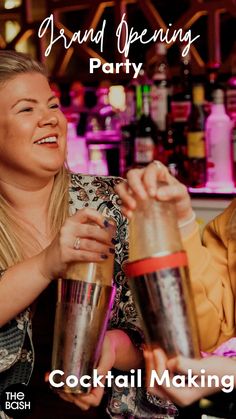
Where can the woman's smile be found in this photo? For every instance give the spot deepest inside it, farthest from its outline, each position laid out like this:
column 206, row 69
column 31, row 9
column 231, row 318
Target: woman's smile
column 51, row 141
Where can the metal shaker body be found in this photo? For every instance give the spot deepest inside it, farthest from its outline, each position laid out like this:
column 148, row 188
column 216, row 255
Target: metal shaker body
column 167, row 315
column 159, row 280
column 85, row 299
column 82, row 314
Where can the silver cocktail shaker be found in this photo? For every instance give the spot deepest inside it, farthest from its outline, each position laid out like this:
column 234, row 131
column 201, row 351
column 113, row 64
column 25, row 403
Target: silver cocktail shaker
column 159, row 279
column 84, row 303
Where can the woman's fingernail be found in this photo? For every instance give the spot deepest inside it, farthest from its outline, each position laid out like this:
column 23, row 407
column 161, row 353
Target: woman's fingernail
column 111, row 250
column 103, row 256
column 114, row 241
column 106, row 223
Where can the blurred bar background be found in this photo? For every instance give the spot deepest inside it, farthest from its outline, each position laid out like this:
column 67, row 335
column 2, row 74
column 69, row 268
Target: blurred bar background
column 116, row 122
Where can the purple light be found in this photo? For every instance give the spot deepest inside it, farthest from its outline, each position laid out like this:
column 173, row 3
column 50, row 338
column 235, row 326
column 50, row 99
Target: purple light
column 223, row 189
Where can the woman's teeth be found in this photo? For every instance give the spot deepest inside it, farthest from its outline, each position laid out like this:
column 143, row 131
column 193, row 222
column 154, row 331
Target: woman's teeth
column 47, row 140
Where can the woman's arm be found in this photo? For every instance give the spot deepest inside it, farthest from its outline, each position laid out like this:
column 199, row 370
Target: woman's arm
column 20, row 285
column 127, row 355
column 23, row 282
column 223, row 368
column 118, row 352
column 211, row 279
column 209, row 266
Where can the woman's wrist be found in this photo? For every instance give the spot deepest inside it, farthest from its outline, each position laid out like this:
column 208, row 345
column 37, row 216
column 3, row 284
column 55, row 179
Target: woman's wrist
column 187, row 221
column 187, row 225
column 45, row 268
column 50, row 263
column 127, row 355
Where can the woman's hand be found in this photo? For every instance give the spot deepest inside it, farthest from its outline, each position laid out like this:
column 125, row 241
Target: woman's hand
column 90, row 231
column 142, row 183
column 96, row 243
column 118, row 351
column 107, row 361
column 183, row 396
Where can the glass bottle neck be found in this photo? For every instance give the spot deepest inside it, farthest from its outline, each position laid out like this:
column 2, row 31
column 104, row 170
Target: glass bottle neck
column 146, row 104
column 139, row 101
column 218, row 108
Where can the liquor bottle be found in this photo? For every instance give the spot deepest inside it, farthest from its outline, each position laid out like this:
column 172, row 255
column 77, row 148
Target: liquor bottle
column 103, row 116
column 130, row 101
column 233, row 138
column 77, row 153
column 90, row 101
column 181, row 101
column 231, row 105
column 231, row 87
column 212, row 83
column 183, row 91
column 186, row 75
column 218, row 139
column 176, row 160
column 158, row 278
column 159, row 88
column 128, row 130
column 146, row 134
column 170, row 149
column 231, row 95
column 196, row 140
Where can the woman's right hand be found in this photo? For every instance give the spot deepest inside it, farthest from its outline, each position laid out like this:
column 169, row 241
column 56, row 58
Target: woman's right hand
column 95, row 242
column 221, row 367
column 144, row 182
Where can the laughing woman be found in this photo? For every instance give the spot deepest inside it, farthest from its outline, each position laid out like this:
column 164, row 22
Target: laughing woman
column 43, row 209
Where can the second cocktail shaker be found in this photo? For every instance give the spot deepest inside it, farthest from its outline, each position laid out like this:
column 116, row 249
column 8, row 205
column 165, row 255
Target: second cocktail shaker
column 159, row 279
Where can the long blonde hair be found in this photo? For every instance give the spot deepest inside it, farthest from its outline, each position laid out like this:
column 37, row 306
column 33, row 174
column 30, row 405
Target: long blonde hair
column 14, row 239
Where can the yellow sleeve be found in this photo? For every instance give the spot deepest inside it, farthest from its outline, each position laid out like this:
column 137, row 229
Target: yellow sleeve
column 211, row 283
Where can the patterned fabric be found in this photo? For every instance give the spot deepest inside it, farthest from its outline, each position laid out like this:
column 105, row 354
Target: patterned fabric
column 16, row 352
column 16, row 348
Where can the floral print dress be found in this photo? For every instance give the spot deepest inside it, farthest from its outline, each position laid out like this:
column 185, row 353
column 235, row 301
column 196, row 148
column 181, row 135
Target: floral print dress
column 16, row 347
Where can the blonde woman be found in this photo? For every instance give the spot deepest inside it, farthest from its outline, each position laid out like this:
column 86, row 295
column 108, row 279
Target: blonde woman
column 43, row 210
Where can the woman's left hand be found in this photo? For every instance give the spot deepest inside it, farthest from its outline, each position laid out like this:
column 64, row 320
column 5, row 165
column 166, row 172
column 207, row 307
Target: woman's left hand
column 154, row 181
column 107, row 360
column 184, row 396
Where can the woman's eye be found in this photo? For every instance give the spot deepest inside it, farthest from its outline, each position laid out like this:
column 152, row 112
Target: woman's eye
column 26, row 110
column 54, row 106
